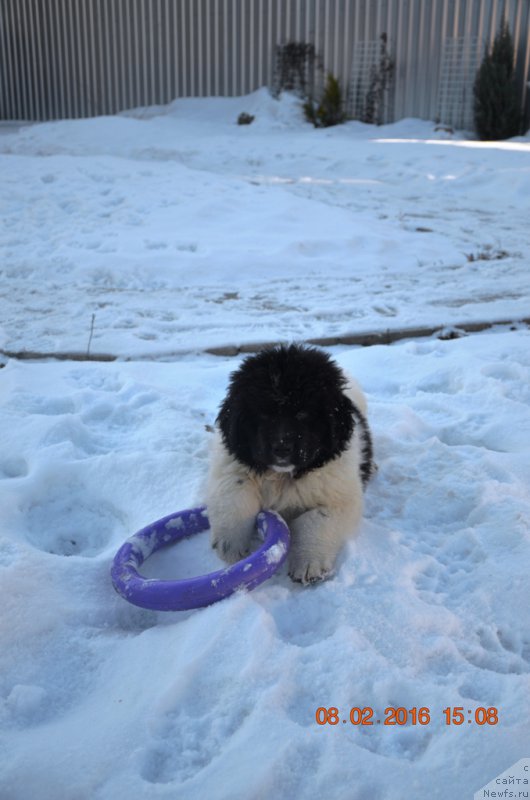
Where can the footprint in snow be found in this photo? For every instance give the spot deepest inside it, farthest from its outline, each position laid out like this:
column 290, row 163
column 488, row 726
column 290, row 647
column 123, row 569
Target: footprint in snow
column 69, row 521
column 385, row 311
column 46, row 406
column 187, row 743
column 497, row 650
column 304, row 622
column 13, row 468
column 407, row 742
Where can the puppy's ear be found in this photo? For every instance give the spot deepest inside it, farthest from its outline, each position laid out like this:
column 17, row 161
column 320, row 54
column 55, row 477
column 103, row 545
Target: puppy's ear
column 227, row 420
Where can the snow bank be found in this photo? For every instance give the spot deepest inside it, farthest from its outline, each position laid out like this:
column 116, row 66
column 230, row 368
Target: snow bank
column 174, row 229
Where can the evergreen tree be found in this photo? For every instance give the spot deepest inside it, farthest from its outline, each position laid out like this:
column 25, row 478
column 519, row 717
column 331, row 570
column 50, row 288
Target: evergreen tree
column 330, row 109
column 496, row 108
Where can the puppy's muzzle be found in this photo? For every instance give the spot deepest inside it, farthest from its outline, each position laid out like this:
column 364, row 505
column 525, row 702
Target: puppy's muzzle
column 282, row 451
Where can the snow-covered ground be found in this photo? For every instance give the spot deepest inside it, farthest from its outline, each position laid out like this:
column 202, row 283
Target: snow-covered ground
column 181, row 231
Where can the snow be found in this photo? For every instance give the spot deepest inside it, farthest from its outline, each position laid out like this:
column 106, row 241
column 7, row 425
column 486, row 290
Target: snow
column 275, row 553
column 181, row 231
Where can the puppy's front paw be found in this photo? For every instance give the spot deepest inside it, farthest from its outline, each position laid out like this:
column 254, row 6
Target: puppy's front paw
column 232, row 548
column 310, row 570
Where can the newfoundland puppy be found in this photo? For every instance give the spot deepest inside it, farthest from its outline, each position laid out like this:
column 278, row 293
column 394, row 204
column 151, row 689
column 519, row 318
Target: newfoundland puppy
column 291, row 436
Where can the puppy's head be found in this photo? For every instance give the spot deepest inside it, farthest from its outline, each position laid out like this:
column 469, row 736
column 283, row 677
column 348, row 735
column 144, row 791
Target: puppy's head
column 286, row 410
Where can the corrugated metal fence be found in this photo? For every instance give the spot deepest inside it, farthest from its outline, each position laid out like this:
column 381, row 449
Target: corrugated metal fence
column 77, row 58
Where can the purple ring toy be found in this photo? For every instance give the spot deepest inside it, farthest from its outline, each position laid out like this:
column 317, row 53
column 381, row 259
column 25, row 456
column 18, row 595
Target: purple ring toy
column 204, row 590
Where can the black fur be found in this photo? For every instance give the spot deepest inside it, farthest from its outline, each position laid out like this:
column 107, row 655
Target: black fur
column 286, row 405
column 367, row 451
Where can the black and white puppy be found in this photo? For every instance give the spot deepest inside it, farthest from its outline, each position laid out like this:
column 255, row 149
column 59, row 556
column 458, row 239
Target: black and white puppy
column 291, row 436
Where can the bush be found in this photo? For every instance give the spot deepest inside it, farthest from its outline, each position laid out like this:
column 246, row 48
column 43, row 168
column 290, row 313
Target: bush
column 330, row 110
column 245, row 119
column 496, row 108
column 294, row 69
column 381, row 77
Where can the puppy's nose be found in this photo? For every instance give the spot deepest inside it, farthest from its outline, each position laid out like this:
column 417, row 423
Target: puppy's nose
column 282, row 449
